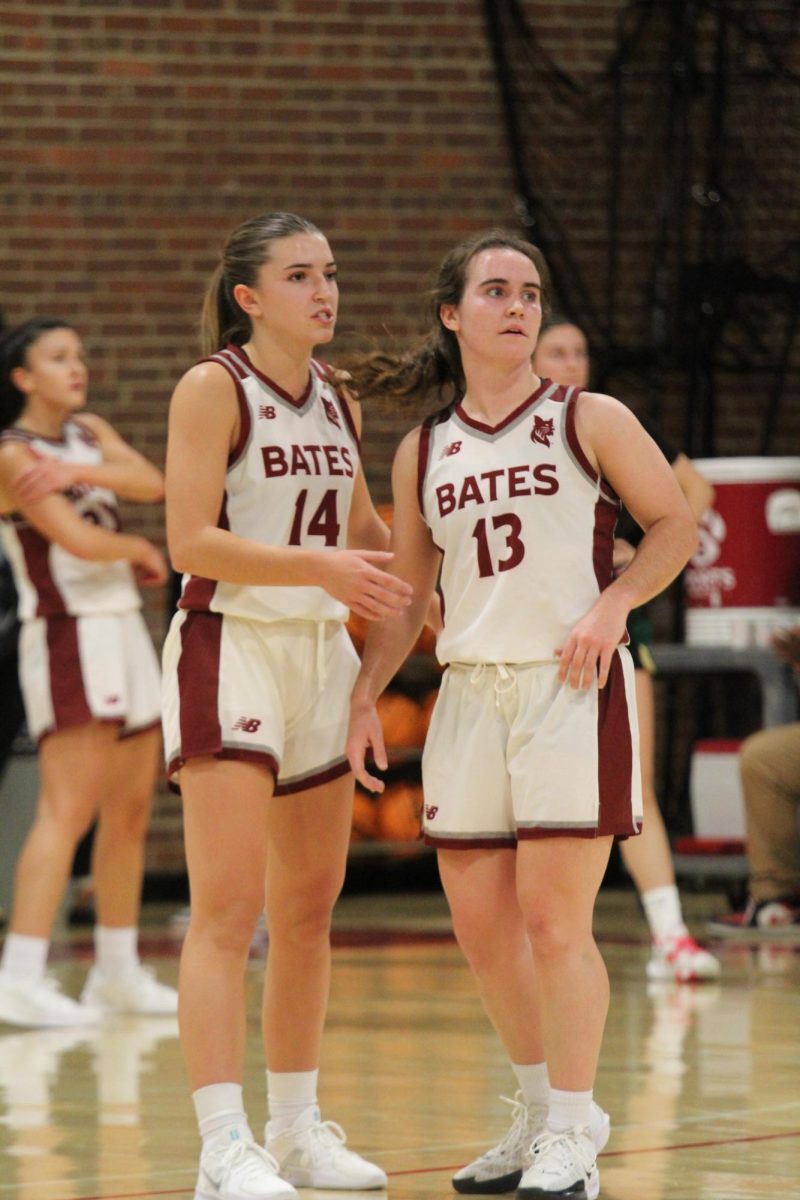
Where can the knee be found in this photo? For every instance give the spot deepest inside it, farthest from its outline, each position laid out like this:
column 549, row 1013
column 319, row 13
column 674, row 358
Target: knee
column 485, row 942
column 553, row 935
column 228, row 922
column 303, row 915
column 72, row 816
column 128, row 817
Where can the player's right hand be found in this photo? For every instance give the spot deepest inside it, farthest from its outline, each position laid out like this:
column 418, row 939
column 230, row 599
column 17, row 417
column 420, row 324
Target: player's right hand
column 355, row 577
column 365, row 731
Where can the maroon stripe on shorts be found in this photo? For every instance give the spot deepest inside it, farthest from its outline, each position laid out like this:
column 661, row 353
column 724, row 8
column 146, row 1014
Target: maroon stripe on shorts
column 615, row 755
column 446, row 843
column 49, row 601
column 70, row 705
column 312, row 781
column 198, row 684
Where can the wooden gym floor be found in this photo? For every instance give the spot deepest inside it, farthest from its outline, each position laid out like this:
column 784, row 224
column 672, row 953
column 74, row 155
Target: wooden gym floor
column 702, row 1083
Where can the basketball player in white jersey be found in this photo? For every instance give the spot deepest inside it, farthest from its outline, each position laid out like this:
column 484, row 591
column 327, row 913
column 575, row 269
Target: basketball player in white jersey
column 562, row 353
column 88, row 671
column 265, row 493
column 531, row 764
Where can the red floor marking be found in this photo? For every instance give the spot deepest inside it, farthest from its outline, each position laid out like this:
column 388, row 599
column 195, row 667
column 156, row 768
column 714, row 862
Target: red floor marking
column 759, row 1137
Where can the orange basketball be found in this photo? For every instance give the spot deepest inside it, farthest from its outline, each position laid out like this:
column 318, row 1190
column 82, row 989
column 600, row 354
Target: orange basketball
column 400, row 812
column 365, row 818
column 401, row 720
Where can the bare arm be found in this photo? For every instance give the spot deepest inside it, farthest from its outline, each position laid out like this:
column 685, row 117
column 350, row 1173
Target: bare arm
column 629, row 459
column 203, row 426
column 698, row 491
column 56, row 519
column 123, row 470
column 416, row 559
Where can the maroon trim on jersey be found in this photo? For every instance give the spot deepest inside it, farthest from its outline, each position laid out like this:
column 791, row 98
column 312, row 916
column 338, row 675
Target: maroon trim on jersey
column 241, row 353
column 199, row 591
column 605, row 519
column 245, row 420
column 259, row 757
column 86, row 434
column 36, row 550
column 424, row 449
column 14, row 434
column 198, row 684
column 504, row 842
column 544, row 384
column 572, row 438
column 67, row 692
column 313, row 780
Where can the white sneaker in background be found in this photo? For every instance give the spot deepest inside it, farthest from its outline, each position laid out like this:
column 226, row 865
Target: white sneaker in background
column 682, row 959
column 563, row 1164
column 312, row 1153
column 41, row 1005
column 240, row 1170
column 135, row 990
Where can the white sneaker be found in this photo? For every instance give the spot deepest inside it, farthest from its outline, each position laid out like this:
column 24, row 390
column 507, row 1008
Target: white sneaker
column 41, row 1005
column 563, row 1164
column 312, row 1153
column 133, row 991
column 500, row 1169
column 681, row 959
column 241, row 1170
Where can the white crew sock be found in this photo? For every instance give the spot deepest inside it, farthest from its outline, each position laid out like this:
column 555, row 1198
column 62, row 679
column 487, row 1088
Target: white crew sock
column 533, row 1083
column 290, row 1094
column 116, row 949
column 569, row 1110
column 221, row 1119
column 662, row 907
column 24, row 957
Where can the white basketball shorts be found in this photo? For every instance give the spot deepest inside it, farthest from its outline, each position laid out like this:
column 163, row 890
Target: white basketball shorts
column 514, row 753
column 271, row 692
column 100, row 667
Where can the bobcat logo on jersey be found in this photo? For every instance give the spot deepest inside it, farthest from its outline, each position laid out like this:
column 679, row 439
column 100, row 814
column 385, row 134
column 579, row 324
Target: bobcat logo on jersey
column 450, row 448
column 542, row 430
column 331, row 413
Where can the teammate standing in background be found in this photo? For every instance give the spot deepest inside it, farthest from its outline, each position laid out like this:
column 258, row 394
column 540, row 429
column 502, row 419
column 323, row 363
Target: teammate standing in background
column 530, row 766
column 88, row 670
column 562, row 353
column 265, row 492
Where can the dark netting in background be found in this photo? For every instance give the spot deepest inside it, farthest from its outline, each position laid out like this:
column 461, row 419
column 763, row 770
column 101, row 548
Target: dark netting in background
column 677, row 246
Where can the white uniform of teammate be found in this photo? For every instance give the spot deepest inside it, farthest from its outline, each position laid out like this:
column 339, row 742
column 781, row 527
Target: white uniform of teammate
column 85, row 653
column 526, row 529
column 263, row 673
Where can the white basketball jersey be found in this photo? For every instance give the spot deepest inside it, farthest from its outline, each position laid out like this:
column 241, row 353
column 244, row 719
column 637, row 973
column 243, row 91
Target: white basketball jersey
column 289, row 483
column 49, row 580
column 524, row 523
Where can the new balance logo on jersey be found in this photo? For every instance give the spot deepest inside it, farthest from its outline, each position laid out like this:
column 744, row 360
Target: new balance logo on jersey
column 430, row 811
column 247, row 724
column 331, row 413
column 542, row 430
column 266, row 412
column 450, row 448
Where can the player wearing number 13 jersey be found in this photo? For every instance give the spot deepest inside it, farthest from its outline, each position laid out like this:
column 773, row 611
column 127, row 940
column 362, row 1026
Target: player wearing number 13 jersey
column 525, row 525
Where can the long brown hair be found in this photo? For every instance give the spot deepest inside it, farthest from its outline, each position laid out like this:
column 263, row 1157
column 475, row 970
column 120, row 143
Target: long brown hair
column 246, row 250
column 435, row 363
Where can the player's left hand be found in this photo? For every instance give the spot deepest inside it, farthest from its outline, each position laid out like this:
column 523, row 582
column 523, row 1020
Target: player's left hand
column 591, row 644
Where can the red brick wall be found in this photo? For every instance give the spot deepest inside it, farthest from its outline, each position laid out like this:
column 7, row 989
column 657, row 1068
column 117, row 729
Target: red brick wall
column 134, row 136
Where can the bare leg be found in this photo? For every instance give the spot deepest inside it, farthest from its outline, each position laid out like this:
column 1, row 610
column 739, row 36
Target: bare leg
column 118, row 853
column 72, row 764
column 481, row 890
column 225, row 821
column 557, row 883
column 648, row 857
column 308, row 834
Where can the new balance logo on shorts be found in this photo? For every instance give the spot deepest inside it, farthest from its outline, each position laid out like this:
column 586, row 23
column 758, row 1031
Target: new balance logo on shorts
column 247, row 724
column 430, row 811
